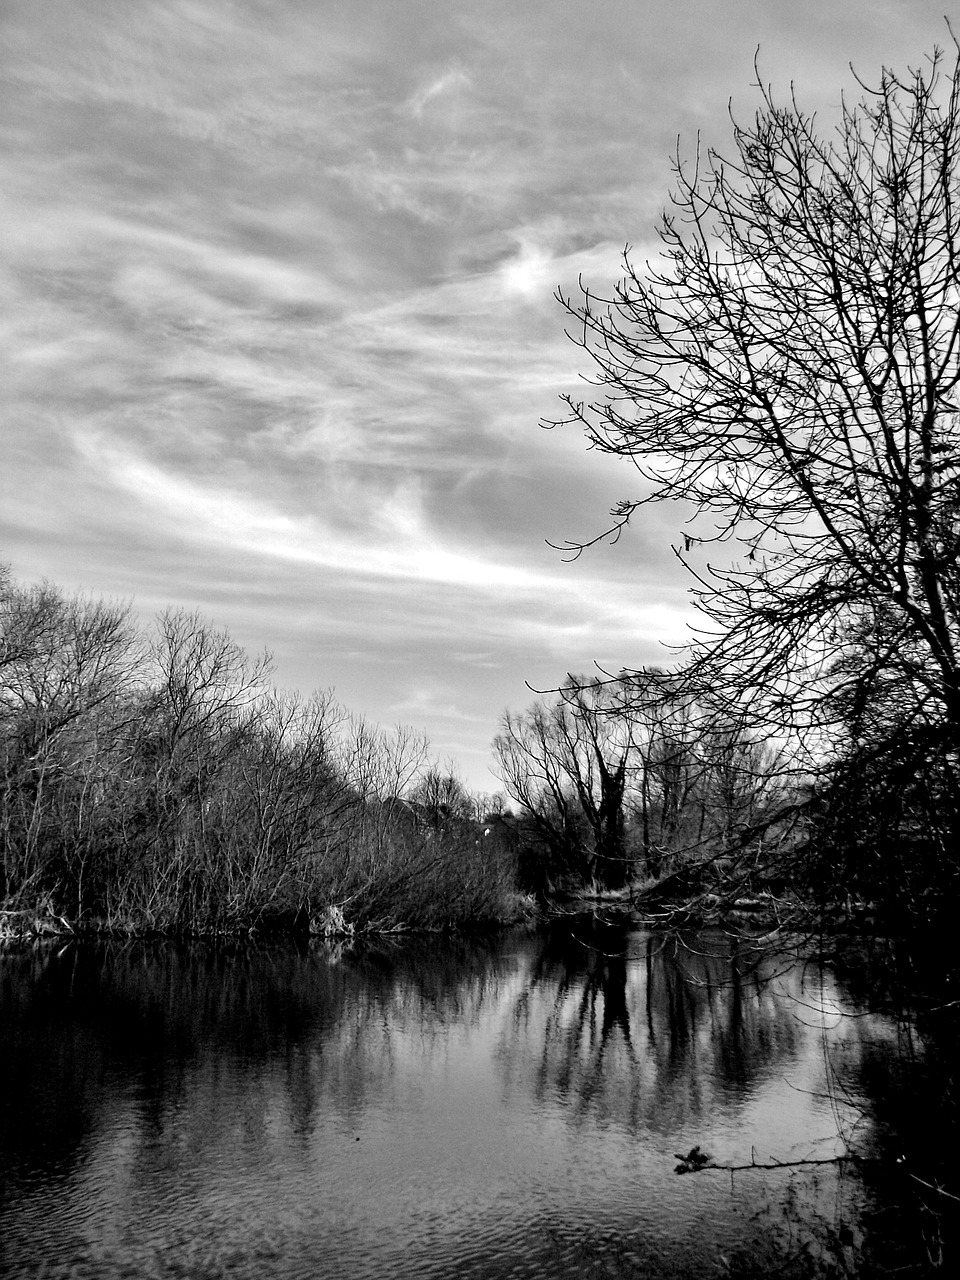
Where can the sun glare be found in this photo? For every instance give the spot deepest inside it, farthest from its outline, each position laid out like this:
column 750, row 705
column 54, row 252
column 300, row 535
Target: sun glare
column 525, row 274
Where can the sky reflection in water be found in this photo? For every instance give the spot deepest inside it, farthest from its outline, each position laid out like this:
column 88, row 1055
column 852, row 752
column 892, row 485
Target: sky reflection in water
column 432, row 1108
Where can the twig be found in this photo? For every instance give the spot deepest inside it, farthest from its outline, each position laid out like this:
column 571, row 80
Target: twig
column 933, row 1187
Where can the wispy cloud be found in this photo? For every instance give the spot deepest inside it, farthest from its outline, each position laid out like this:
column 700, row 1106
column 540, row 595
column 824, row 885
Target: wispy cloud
column 450, row 83
column 280, row 326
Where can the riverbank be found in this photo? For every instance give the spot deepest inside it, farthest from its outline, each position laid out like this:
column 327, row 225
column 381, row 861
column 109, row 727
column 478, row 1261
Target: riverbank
column 760, row 912
column 37, row 923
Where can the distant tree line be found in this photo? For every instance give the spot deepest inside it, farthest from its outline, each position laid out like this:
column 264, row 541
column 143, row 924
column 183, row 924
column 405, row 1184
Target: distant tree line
column 158, row 781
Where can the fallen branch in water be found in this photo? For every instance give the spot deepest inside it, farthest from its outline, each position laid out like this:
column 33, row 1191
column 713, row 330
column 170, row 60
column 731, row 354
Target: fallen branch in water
column 695, row 1161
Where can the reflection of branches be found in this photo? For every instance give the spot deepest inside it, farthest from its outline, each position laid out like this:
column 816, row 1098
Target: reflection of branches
column 659, row 1035
column 588, row 1009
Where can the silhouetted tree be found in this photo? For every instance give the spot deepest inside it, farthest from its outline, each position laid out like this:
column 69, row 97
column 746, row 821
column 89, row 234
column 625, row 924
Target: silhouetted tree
column 565, row 765
column 788, row 372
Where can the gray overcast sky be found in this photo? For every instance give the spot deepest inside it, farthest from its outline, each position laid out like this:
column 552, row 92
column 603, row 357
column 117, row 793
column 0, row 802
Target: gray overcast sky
column 278, row 326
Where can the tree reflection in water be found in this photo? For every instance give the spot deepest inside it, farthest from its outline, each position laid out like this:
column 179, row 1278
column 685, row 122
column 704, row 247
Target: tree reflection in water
column 657, row 1033
column 419, row 1106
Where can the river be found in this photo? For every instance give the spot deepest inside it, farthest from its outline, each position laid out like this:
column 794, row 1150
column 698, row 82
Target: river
column 431, row 1107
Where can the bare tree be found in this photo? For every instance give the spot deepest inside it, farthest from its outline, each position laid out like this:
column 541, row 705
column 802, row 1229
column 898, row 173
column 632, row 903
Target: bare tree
column 788, row 371
column 281, row 808
column 440, row 799
column 565, row 764
column 67, row 667
column 204, row 692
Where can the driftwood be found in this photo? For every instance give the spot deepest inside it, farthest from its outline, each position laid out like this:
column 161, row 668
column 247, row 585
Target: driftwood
column 696, row 1161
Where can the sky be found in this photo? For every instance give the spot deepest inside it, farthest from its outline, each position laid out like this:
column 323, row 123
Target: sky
column 278, row 325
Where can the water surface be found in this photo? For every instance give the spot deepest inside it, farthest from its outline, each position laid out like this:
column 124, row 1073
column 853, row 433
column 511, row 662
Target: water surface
column 422, row 1108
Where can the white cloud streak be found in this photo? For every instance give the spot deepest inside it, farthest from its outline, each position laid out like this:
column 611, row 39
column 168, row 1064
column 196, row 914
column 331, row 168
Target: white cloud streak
column 280, row 327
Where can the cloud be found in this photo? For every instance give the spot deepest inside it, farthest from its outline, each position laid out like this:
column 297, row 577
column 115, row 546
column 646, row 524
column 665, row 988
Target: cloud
column 281, row 328
column 452, row 81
